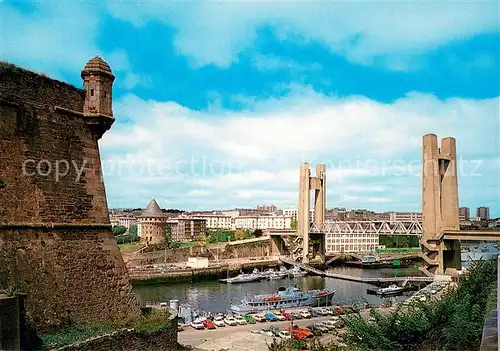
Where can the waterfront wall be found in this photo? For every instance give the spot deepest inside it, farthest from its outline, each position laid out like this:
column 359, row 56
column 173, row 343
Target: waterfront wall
column 213, row 252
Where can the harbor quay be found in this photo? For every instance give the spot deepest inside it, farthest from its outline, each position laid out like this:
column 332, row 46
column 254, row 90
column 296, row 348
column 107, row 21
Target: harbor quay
column 180, row 273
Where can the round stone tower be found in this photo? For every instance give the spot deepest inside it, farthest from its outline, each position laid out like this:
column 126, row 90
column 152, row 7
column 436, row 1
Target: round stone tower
column 151, row 226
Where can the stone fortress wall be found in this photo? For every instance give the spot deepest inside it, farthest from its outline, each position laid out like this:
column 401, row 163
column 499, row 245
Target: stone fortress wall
column 56, row 243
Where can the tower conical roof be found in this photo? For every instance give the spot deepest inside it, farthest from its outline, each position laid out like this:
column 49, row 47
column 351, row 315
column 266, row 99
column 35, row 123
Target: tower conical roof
column 97, row 65
column 153, row 210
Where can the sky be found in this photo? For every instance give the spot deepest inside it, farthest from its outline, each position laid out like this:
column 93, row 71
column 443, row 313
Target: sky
column 217, row 103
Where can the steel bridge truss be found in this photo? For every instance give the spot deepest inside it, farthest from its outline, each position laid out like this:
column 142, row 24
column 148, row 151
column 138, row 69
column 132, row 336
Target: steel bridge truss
column 369, row 227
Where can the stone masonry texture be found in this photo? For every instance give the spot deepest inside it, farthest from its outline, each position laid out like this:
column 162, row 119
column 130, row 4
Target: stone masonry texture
column 55, row 240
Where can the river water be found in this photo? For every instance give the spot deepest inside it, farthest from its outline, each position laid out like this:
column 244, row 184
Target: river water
column 216, row 297
column 212, row 296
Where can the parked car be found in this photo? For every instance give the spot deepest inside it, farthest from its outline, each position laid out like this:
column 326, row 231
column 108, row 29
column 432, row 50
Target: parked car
column 314, row 330
column 321, row 327
column 197, row 325
column 297, row 334
column 240, row 320
column 229, row 320
column 296, row 315
column 270, row 317
column 208, row 324
column 259, row 318
column 250, row 319
column 305, row 314
column 285, row 334
column 288, row 316
column 313, row 312
column 219, row 321
column 322, row 311
column 329, row 324
column 279, row 316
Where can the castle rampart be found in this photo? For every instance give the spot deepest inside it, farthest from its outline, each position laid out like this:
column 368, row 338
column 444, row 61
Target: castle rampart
column 56, row 243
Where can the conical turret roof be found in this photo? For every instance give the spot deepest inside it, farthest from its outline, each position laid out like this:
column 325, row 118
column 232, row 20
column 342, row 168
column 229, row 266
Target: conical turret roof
column 153, row 210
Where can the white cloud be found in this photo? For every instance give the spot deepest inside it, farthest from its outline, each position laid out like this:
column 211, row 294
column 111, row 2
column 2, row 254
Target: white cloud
column 225, row 158
column 396, row 31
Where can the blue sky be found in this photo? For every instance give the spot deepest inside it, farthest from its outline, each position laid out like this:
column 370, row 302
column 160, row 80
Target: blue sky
column 217, row 103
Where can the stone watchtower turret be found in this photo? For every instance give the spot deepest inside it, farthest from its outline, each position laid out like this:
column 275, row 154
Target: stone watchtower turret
column 98, row 85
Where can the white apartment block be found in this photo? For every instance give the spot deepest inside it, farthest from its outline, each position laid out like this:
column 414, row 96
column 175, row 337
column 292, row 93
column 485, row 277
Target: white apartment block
column 351, row 242
column 294, row 213
column 398, row 216
column 127, row 221
column 218, row 221
column 263, row 222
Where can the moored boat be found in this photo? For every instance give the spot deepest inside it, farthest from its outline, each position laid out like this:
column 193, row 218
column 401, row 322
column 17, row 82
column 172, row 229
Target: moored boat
column 289, row 297
column 296, row 272
column 242, row 278
column 390, row 290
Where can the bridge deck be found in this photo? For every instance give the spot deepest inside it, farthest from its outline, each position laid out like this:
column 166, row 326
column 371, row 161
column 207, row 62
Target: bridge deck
column 368, row 280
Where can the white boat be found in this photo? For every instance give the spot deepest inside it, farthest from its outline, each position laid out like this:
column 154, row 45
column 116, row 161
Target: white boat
column 275, row 276
column 242, row 278
column 289, row 297
column 391, row 289
column 296, row 272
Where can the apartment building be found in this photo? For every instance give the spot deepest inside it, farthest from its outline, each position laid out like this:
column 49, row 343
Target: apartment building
column 463, row 214
column 294, row 213
column 398, row 216
column 185, row 229
column 483, row 213
column 216, row 221
column 336, row 243
column 263, row 222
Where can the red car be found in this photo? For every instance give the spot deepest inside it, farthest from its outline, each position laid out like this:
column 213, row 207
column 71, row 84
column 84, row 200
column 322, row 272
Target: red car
column 208, row 324
column 303, row 332
column 288, row 316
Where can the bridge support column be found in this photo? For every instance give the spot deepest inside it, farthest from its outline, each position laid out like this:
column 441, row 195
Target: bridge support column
column 306, row 184
column 439, row 204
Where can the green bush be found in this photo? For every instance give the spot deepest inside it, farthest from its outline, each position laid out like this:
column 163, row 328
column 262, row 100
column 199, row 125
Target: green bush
column 146, row 323
column 454, row 322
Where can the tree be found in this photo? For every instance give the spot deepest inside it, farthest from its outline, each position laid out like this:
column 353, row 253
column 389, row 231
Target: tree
column 133, row 230
column 258, row 233
column 239, row 235
column 119, row 230
column 293, row 224
column 168, row 234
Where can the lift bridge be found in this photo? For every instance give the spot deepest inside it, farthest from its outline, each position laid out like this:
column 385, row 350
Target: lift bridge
column 439, row 231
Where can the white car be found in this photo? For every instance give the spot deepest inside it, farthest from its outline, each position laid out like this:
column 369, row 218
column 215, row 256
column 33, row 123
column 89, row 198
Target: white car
column 305, row 314
column 284, row 334
column 335, row 318
column 219, row 321
column 324, row 311
column 240, row 320
column 279, row 316
column 259, row 318
column 229, row 320
column 197, row 325
column 329, row 324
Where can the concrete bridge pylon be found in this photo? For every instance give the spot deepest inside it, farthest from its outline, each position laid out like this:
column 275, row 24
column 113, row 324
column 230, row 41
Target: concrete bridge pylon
column 318, row 185
column 439, row 205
